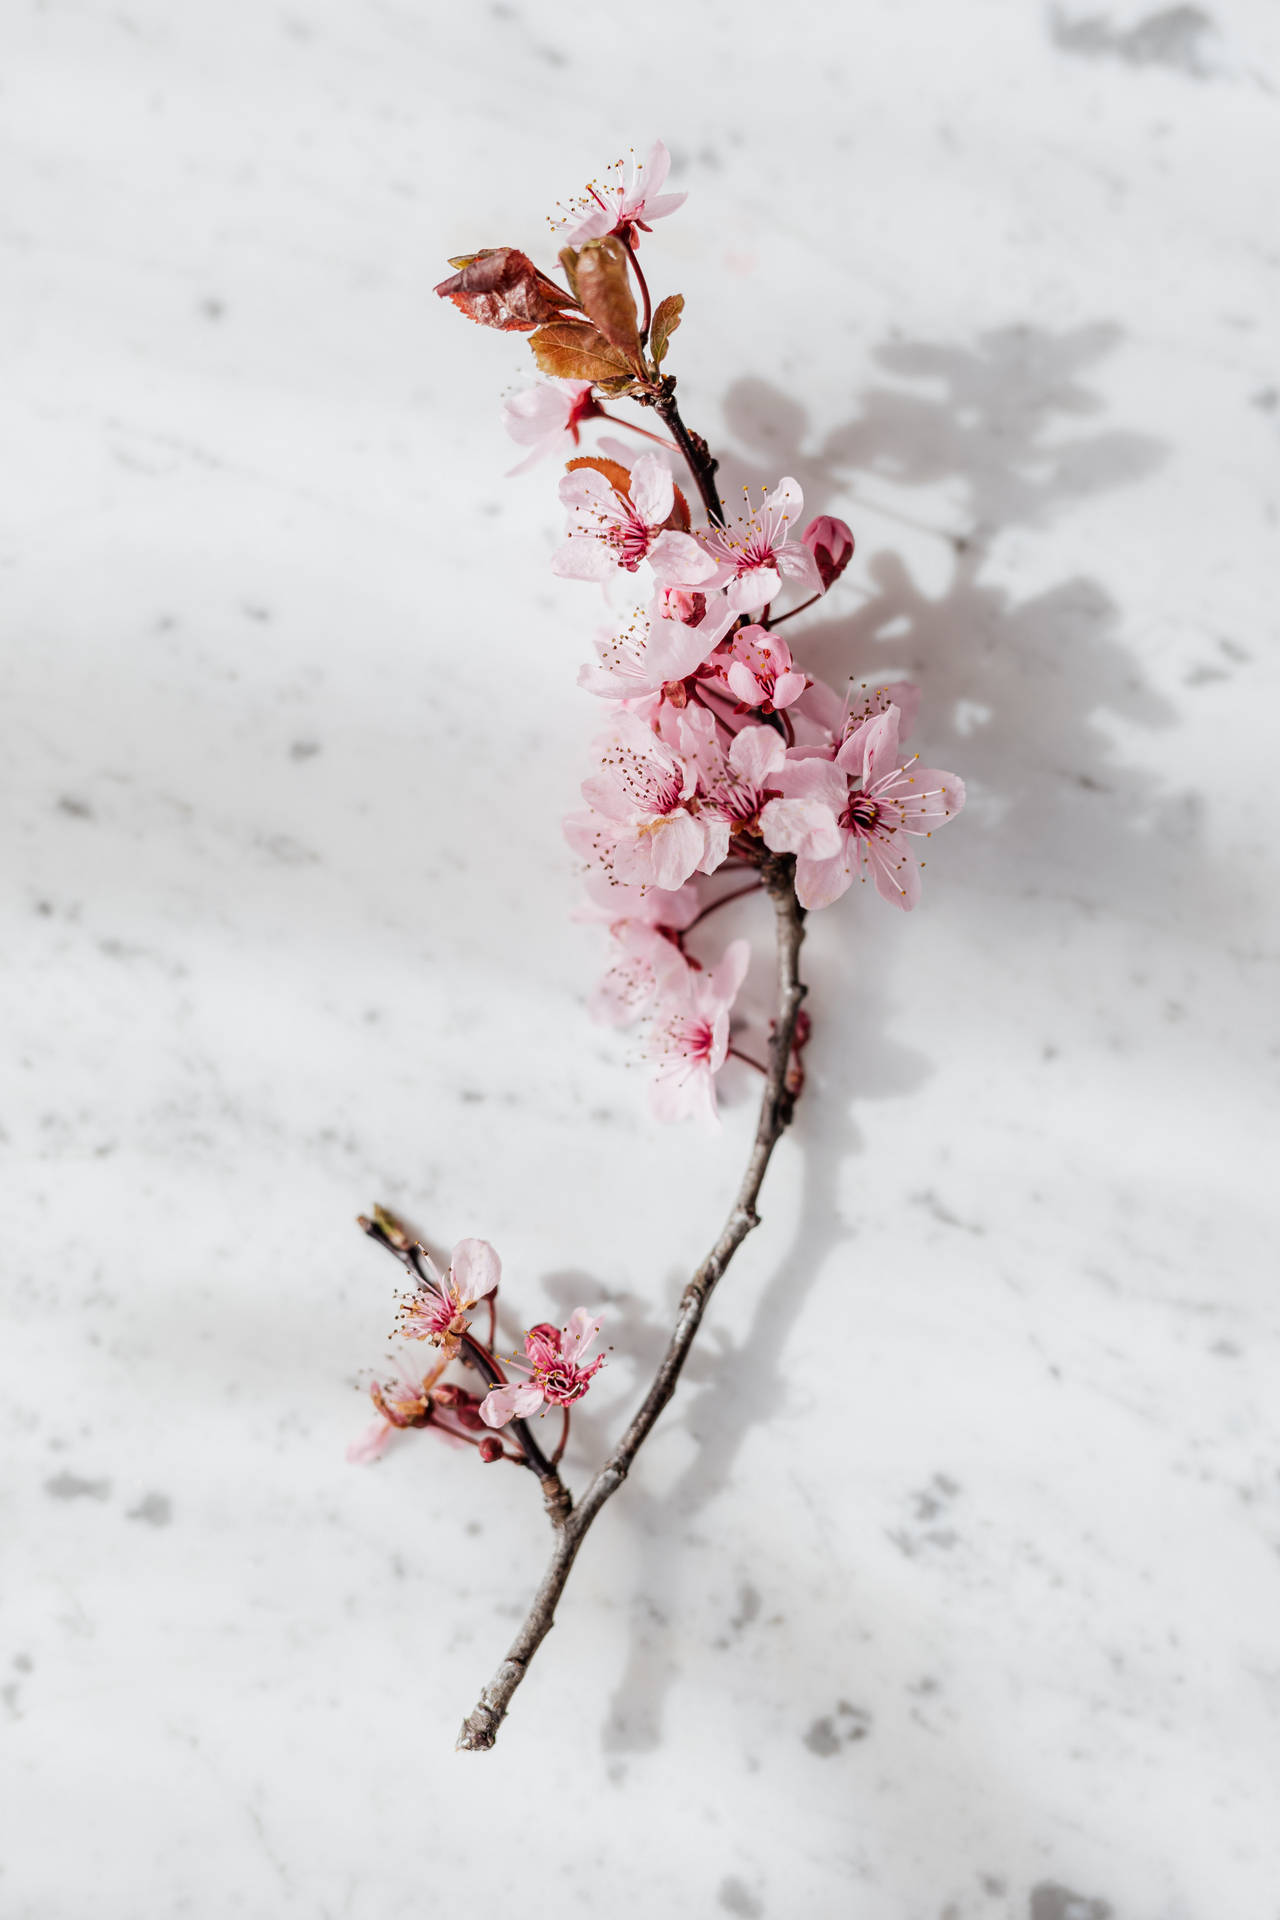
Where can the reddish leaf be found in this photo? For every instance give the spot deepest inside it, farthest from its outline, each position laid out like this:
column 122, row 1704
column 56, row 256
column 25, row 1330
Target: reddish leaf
column 575, row 350
column 618, row 476
column 678, row 518
column 501, row 287
column 604, row 288
column 665, row 321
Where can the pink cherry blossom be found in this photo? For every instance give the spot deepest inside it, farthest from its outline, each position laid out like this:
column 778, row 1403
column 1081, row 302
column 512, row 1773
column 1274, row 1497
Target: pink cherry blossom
column 731, row 786
column 759, row 671
column 402, row 1401
column 640, row 829
column 689, row 1040
column 553, row 1360
column 440, row 1310
column 645, row 929
column 627, row 199
column 754, row 553
column 656, row 646
column 542, row 417
column 609, row 528
column 852, row 813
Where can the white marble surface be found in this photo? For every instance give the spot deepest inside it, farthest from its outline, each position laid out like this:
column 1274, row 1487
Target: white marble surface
column 948, row 1590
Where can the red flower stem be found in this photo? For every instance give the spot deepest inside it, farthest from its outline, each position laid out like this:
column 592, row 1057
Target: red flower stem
column 658, row 439
column 480, row 1728
column 759, row 1065
column 558, row 1455
column 771, row 624
column 629, row 244
column 739, row 893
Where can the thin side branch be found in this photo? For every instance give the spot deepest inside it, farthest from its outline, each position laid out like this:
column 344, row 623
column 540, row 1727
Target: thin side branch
column 480, row 1728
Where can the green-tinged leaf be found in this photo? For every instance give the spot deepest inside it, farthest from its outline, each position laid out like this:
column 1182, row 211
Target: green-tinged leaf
column 603, row 285
column 615, row 389
column 665, row 321
column 575, row 350
column 461, row 260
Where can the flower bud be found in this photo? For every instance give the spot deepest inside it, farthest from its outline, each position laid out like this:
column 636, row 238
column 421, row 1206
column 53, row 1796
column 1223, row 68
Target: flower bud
column 831, row 543
column 490, row 1449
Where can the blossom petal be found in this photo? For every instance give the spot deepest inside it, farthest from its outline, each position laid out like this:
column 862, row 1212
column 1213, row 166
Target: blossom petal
column 803, row 827
column 652, row 489
column 753, row 590
column 819, row 882
column 678, row 561
column 578, row 1335
column 372, row 1443
column 756, row 753
column 475, row 1270
column 678, row 842
column 510, row 1403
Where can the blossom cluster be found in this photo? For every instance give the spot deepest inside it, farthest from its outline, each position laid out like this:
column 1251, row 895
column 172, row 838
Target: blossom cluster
column 719, row 753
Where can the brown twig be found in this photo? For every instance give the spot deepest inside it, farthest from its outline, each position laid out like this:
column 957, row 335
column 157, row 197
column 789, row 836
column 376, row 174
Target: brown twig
column 698, row 456
column 480, row 1728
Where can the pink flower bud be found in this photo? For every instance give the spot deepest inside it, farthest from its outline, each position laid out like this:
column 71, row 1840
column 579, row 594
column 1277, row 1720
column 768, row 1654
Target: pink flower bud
column 830, row 542
column 490, row 1449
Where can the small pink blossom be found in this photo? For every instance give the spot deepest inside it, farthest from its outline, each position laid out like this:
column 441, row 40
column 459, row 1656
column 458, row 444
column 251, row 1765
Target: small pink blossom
column 830, row 541
column 412, row 1398
column 657, row 646
column 759, row 671
column 640, row 829
column 440, row 1310
column 732, row 786
column 553, row 1360
column 626, row 200
column 689, row 1040
column 853, row 813
column 610, row 528
column 542, row 417
column 754, row 553
column 647, row 957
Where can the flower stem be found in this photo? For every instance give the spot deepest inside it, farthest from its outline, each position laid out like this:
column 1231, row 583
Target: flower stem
column 658, row 439
column 747, row 1060
column 771, row 624
column 643, row 284
column 739, row 893
column 480, row 1728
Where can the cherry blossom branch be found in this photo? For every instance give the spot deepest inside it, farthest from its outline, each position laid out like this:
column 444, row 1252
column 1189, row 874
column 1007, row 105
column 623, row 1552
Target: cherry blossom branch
column 698, row 457
column 480, row 1728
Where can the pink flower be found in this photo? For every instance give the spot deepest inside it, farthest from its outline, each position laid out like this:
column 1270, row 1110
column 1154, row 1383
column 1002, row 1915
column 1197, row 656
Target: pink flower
column 731, row 787
column 689, row 1040
column 413, row 1399
column 647, row 957
column 611, row 528
column 656, row 647
column 554, row 1363
column 625, row 202
column 640, row 829
column 542, row 416
column 853, row 812
column 439, row 1310
column 830, row 541
column 754, row 553
column 760, row 672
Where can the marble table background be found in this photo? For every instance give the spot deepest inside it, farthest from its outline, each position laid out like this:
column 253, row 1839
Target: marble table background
column 949, row 1588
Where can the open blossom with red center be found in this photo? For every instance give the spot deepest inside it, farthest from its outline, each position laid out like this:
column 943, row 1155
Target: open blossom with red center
column 645, row 927
column 557, row 1373
column 625, row 201
column 440, row 1310
column 689, row 1039
column 849, row 815
column 656, row 646
column 543, row 417
column 733, row 785
column 640, row 830
column 756, row 551
column 611, row 526
column 759, row 671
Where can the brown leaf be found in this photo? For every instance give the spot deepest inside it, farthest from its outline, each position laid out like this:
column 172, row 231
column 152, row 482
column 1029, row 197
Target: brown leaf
column 618, row 476
column 604, row 288
column 569, row 268
column 574, row 350
column 501, row 287
column 678, row 518
column 665, row 321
